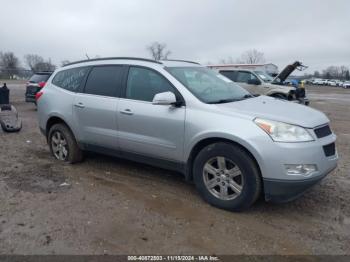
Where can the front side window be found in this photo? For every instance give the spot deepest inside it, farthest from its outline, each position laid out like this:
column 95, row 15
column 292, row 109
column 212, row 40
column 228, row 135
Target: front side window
column 143, row 84
column 104, row 81
column 244, row 77
column 207, row 85
column 70, row 79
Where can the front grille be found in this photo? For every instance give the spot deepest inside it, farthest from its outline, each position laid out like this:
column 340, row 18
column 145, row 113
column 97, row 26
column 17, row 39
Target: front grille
column 323, row 131
column 329, row 150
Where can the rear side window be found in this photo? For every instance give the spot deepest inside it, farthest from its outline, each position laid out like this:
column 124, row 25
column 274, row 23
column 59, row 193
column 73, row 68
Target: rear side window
column 143, row 84
column 229, row 74
column 104, row 81
column 70, row 79
column 37, row 78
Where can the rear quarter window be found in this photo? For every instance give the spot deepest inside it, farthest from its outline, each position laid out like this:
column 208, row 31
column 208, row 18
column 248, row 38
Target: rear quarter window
column 70, row 79
column 232, row 75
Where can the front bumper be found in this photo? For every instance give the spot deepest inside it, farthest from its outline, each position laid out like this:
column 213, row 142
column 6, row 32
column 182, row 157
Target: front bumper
column 279, row 186
column 280, row 191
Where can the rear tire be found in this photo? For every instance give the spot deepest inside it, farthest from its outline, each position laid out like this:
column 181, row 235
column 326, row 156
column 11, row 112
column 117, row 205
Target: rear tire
column 226, row 176
column 63, row 145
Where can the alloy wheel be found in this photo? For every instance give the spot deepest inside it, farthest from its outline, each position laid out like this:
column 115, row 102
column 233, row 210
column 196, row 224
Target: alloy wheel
column 223, row 178
column 59, row 146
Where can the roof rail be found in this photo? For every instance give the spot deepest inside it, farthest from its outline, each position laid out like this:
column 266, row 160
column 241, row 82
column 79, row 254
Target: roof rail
column 177, row 60
column 113, row 58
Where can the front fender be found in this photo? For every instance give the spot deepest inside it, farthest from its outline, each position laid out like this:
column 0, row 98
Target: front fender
column 223, row 136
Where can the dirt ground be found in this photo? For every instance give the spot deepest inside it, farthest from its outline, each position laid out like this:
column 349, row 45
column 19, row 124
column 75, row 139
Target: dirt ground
column 110, row 206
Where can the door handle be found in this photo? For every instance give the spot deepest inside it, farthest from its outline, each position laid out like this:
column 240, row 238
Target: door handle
column 80, row 105
column 126, row 112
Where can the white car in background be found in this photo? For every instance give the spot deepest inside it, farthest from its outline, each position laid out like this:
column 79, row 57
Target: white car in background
column 339, row 82
column 332, row 82
column 318, row 81
column 346, row 84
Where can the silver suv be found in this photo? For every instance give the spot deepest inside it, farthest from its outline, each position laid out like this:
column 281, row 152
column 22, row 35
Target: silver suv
column 185, row 117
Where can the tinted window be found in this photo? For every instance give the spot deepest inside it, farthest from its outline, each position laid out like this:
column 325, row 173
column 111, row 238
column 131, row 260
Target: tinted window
column 104, row 81
column 70, row 79
column 143, row 84
column 229, row 74
column 37, row 78
column 243, row 77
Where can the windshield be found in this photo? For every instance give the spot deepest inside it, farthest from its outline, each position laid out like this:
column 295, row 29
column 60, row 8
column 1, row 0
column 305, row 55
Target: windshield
column 208, row 86
column 264, row 76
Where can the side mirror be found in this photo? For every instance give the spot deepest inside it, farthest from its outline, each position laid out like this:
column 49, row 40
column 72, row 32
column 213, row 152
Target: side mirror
column 165, row 98
column 253, row 82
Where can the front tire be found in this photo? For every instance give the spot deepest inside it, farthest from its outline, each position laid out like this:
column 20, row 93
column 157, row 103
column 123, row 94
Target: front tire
column 63, row 145
column 280, row 96
column 226, row 176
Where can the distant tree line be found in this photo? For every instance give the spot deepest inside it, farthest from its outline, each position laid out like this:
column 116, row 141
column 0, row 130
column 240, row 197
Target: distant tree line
column 11, row 66
column 251, row 56
column 333, row 72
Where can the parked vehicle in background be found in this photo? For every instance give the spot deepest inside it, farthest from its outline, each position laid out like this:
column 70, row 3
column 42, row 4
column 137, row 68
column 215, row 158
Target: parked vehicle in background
column 309, row 81
column 338, row 82
column 346, row 84
column 185, row 117
column 332, row 82
column 35, row 84
column 319, row 81
column 260, row 83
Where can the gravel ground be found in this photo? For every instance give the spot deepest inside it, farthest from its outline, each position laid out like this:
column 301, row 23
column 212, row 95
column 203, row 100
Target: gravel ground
column 110, row 206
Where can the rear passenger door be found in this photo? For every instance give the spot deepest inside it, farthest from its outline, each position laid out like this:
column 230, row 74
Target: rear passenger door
column 147, row 129
column 95, row 109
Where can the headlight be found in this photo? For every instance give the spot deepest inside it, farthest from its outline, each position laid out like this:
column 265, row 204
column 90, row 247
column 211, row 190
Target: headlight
column 282, row 132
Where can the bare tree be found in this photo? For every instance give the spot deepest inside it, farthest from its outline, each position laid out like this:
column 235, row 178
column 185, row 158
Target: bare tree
column 335, row 72
column 252, row 56
column 32, row 61
column 347, row 75
column 37, row 63
column 9, row 63
column 158, row 51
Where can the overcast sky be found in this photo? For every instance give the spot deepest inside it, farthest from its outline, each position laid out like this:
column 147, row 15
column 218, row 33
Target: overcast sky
column 315, row 32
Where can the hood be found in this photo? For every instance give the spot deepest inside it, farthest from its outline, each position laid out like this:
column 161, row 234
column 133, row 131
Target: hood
column 283, row 75
column 276, row 109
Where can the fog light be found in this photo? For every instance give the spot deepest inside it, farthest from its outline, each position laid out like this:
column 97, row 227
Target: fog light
column 301, row 169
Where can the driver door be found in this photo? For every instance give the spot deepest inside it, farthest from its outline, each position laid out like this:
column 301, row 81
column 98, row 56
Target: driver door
column 244, row 78
column 147, row 129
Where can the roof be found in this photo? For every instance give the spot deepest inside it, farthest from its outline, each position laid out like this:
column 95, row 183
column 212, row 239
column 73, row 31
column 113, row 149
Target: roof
column 240, row 65
column 165, row 62
column 43, row 73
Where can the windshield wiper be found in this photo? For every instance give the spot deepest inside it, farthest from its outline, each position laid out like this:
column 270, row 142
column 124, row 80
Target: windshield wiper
column 222, row 101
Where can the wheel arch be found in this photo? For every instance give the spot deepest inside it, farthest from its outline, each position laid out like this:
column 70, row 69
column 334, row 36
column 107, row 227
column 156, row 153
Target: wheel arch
column 211, row 140
column 55, row 119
